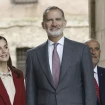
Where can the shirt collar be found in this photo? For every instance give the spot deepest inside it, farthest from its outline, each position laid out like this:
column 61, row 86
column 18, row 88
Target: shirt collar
column 95, row 69
column 9, row 73
column 61, row 42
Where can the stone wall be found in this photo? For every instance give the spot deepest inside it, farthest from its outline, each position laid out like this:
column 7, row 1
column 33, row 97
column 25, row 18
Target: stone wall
column 98, row 31
column 35, row 10
column 21, row 24
column 30, row 33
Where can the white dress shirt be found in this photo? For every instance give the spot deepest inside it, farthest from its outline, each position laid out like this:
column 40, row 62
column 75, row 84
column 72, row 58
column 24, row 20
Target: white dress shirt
column 96, row 75
column 8, row 83
column 59, row 50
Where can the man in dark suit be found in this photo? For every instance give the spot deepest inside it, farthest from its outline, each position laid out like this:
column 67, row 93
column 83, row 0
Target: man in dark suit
column 59, row 72
column 99, row 72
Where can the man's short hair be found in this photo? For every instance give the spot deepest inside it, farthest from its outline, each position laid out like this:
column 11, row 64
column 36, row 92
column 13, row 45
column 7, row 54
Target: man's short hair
column 52, row 8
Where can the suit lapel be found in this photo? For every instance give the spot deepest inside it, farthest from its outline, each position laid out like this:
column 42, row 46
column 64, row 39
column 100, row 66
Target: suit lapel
column 4, row 94
column 42, row 55
column 68, row 53
column 101, row 83
column 100, row 76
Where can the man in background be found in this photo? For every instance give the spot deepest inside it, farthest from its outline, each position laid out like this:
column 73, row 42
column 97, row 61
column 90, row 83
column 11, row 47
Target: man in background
column 99, row 72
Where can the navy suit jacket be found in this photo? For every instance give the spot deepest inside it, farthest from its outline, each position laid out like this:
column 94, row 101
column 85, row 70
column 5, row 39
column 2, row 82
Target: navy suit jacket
column 101, row 78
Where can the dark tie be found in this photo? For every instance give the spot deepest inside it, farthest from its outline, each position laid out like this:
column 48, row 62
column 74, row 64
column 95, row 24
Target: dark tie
column 97, row 90
column 55, row 65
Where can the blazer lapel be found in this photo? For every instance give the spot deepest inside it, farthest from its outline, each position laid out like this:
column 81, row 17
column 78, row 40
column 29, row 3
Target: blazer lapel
column 17, row 86
column 68, row 53
column 4, row 94
column 42, row 55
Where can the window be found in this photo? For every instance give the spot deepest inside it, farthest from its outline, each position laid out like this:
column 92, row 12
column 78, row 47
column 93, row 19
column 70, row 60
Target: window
column 21, row 58
column 24, row 1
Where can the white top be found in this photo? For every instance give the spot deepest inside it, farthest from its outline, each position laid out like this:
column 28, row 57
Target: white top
column 59, row 50
column 7, row 80
column 96, row 75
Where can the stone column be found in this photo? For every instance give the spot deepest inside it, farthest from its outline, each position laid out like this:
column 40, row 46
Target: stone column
column 97, row 25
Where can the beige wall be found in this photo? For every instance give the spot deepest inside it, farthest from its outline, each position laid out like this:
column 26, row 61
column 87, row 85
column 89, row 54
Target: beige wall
column 71, row 7
column 100, row 28
column 99, row 25
column 21, row 24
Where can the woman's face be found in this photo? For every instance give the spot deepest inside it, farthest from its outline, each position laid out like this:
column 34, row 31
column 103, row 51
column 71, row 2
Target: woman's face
column 4, row 51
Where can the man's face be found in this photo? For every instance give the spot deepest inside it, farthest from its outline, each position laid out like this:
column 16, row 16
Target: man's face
column 95, row 51
column 54, row 23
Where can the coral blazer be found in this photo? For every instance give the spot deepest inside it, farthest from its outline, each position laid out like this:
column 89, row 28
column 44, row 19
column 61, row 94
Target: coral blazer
column 20, row 95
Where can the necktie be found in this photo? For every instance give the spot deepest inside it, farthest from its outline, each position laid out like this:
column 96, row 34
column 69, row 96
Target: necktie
column 97, row 90
column 55, row 65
